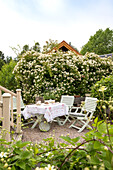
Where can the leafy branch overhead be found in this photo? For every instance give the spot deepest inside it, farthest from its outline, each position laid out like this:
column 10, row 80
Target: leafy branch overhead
column 100, row 43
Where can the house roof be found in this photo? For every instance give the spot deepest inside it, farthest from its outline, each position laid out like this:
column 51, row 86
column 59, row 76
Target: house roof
column 106, row 55
column 65, row 45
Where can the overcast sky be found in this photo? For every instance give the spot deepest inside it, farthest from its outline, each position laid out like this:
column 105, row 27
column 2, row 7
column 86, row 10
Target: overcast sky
column 28, row 21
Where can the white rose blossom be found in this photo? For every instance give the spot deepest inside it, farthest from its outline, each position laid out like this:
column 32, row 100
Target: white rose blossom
column 3, row 154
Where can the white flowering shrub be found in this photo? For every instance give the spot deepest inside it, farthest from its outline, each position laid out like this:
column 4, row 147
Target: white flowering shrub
column 54, row 74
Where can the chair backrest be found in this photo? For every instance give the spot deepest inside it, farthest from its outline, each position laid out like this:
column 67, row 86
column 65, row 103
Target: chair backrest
column 90, row 104
column 68, row 100
column 15, row 103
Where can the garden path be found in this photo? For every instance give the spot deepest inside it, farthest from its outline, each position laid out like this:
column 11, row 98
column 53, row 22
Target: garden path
column 36, row 136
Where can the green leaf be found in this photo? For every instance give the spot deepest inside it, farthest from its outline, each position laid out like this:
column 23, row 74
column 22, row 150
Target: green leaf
column 28, row 167
column 112, row 161
column 22, row 164
column 17, row 151
column 35, row 150
column 111, row 131
column 13, row 168
column 76, row 139
column 16, row 157
column 96, row 145
column 97, row 134
column 63, row 144
column 21, row 144
column 68, row 139
column 102, row 128
column 94, row 160
column 96, row 120
column 107, row 164
column 111, row 139
column 105, row 139
column 32, row 160
column 26, row 155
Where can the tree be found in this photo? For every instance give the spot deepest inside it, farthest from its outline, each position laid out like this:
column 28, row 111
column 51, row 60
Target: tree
column 25, row 48
column 49, row 45
column 2, row 61
column 8, row 59
column 7, row 78
column 20, row 51
column 36, row 47
column 100, row 43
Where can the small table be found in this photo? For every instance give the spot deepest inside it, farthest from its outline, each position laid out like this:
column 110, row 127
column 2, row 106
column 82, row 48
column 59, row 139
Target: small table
column 48, row 111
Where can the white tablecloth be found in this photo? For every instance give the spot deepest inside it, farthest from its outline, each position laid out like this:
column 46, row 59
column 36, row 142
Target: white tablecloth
column 50, row 111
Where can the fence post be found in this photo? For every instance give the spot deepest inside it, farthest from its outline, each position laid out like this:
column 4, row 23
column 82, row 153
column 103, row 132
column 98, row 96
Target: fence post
column 0, row 95
column 6, row 116
column 1, row 108
column 1, row 104
column 18, row 91
column 12, row 110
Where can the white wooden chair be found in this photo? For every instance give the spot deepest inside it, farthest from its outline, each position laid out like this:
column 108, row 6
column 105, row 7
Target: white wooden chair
column 84, row 114
column 22, row 108
column 15, row 104
column 68, row 100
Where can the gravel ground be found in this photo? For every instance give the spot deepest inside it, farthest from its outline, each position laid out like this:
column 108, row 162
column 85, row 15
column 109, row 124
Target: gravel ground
column 36, row 136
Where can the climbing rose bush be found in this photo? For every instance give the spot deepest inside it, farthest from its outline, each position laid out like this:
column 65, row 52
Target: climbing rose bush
column 51, row 75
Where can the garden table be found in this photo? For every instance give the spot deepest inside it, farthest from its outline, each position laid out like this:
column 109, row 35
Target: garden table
column 47, row 111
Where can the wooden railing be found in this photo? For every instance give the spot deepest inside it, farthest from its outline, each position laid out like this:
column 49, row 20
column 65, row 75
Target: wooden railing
column 6, row 113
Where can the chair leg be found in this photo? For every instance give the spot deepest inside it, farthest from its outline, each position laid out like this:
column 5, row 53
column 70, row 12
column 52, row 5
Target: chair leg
column 81, row 122
column 61, row 122
column 39, row 119
column 36, row 122
column 85, row 125
column 73, row 124
column 69, row 120
column 82, row 128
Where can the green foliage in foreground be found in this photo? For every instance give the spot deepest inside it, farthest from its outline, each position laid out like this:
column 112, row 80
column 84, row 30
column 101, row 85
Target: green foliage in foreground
column 95, row 152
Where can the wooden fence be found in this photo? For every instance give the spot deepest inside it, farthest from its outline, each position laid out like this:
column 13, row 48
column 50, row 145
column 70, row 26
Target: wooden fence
column 6, row 112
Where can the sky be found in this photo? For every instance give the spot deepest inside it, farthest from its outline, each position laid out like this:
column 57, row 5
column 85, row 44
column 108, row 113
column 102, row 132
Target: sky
column 29, row 21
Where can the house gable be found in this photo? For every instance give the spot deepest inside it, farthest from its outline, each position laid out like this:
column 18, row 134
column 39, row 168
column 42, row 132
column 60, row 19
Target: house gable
column 64, row 46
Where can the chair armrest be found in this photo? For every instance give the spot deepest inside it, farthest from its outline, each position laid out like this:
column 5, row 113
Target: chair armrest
column 77, row 114
column 75, row 109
